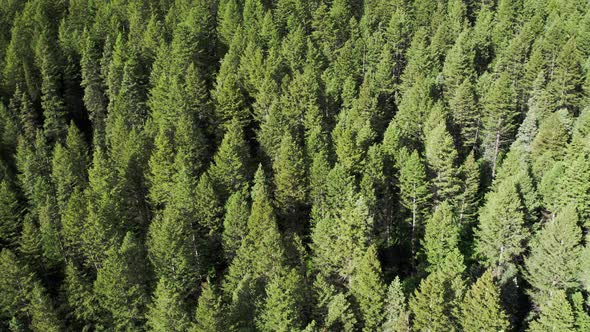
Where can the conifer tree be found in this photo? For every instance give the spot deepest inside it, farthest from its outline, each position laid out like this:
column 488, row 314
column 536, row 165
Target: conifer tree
column 468, row 201
column 499, row 118
column 414, row 195
column 441, row 157
column 283, row 306
column 556, row 315
column 120, row 285
column 481, row 309
column 208, row 213
column 368, row 289
column 435, row 302
column 53, row 106
column 501, row 232
column 42, row 312
column 69, row 165
column 261, row 254
column 209, row 313
column 565, row 85
column 441, row 236
column 582, row 318
column 466, row 114
column 230, row 167
column 290, row 178
column 549, row 143
column 340, row 316
column 553, row 263
column 161, row 168
column 340, row 236
column 167, row 310
column 102, row 228
column 235, row 223
column 173, row 248
column 10, row 215
column 80, row 297
column 397, row 317
column 571, row 188
column 95, row 99
column 458, row 66
column 30, row 245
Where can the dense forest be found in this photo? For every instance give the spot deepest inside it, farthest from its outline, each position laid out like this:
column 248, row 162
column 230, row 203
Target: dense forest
column 294, row 165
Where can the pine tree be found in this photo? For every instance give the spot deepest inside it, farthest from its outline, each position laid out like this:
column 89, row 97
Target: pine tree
column 172, row 252
column 582, row 318
column 436, row 300
column 556, row 315
column 283, row 306
column 101, row 230
column 340, row 316
column 441, row 157
column 95, row 99
column 468, row 202
column 466, row 114
column 73, row 219
column 10, row 215
column 80, row 298
column 161, row 168
column 397, row 318
column 30, row 245
column 553, row 263
column 481, row 309
column 341, row 236
column 230, row 168
column 549, row 143
column 69, row 166
column 571, row 189
column 368, row 289
column 209, row 314
column 290, row 178
column 261, row 254
column 501, row 231
column 16, row 282
column 229, row 20
column 208, row 207
column 414, row 195
column 441, row 236
column 167, row 310
column 458, row 66
column 565, row 85
column 499, row 118
column 120, row 285
column 42, row 313
column 53, row 106
column 235, row 223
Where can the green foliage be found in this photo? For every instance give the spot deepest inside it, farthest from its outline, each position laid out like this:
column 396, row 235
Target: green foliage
column 556, row 315
column 10, row 215
column 553, row 263
column 435, row 302
column 481, row 309
column 441, row 157
column 230, row 168
column 397, row 317
column 261, row 254
column 283, row 306
column 209, row 314
column 235, row 223
column 501, row 231
column 368, row 289
column 120, row 285
column 441, row 236
column 395, row 135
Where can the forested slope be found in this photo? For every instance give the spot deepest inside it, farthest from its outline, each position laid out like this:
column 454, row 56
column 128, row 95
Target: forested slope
column 294, row 165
